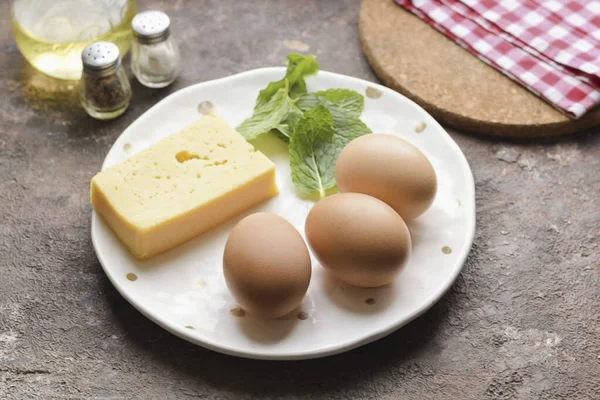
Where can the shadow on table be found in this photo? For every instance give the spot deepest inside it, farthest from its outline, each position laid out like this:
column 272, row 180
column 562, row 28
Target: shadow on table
column 581, row 135
column 253, row 377
column 356, row 299
column 56, row 101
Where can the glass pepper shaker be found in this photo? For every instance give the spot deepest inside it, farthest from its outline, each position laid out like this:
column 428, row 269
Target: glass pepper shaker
column 155, row 58
column 104, row 89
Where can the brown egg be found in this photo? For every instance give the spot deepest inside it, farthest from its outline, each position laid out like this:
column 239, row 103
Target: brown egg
column 389, row 168
column 358, row 238
column 266, row 265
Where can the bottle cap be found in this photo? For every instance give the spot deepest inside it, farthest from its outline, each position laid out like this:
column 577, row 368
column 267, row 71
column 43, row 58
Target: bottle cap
column 151, row 26
column 100, row 58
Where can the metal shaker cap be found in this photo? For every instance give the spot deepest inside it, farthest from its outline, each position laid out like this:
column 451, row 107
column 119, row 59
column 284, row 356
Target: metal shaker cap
column 151, row 26
column 100, row 58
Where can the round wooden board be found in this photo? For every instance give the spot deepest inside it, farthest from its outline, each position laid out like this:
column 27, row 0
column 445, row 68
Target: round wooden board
column 454, row 86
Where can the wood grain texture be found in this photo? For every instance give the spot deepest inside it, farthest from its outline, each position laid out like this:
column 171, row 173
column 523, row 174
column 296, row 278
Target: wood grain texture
column 453, row 85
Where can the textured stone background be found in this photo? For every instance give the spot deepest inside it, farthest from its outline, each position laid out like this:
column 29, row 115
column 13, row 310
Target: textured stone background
column 521, row 322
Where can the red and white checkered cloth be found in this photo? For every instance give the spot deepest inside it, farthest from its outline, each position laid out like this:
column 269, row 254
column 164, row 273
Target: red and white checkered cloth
column 552, row 47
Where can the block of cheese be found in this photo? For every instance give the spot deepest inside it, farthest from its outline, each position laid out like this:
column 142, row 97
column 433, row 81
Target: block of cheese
column 182, row 186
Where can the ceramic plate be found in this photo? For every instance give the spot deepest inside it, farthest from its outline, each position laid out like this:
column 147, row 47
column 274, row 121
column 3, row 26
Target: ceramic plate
column 184, row 290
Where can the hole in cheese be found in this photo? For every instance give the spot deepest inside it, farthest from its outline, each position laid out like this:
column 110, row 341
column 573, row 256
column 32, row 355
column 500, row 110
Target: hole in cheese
column 185, row 155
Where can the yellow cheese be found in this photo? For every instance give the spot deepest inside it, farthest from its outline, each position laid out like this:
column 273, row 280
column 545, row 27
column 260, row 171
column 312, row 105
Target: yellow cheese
column 182, row 186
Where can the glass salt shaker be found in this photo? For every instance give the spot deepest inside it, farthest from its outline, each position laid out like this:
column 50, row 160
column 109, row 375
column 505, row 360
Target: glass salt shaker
column 155, row 58
column 104, row 89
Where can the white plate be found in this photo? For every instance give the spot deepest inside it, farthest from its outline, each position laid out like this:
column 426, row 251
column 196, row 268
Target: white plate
column 184, row 290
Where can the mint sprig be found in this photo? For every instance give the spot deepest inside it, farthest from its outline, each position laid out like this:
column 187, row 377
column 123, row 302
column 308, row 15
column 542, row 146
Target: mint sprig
column 316, row 125
column 298, row 67
column 313, row 153
column 273, row 114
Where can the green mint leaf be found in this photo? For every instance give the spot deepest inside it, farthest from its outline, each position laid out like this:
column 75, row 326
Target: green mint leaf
column 298, row 89
column 308, row 101
column 298, row 67
column 349, row 101
column 348, row 129
column 317, row 173
column 298, row 62
column 293, row 59
column 313, row 152
column 268, row 116
column 286, row 128
column 282, row 132
column 345, row 121
column 293, row 117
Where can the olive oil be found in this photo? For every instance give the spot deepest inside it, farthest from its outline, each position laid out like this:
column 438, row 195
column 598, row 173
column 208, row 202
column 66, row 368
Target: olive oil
column 52, row 34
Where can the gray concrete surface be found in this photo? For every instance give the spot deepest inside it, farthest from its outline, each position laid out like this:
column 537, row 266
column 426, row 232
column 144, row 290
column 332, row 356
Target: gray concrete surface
column 521, row 322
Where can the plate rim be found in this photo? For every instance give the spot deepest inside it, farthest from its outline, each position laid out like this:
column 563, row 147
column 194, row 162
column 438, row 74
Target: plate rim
column 325, row 350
